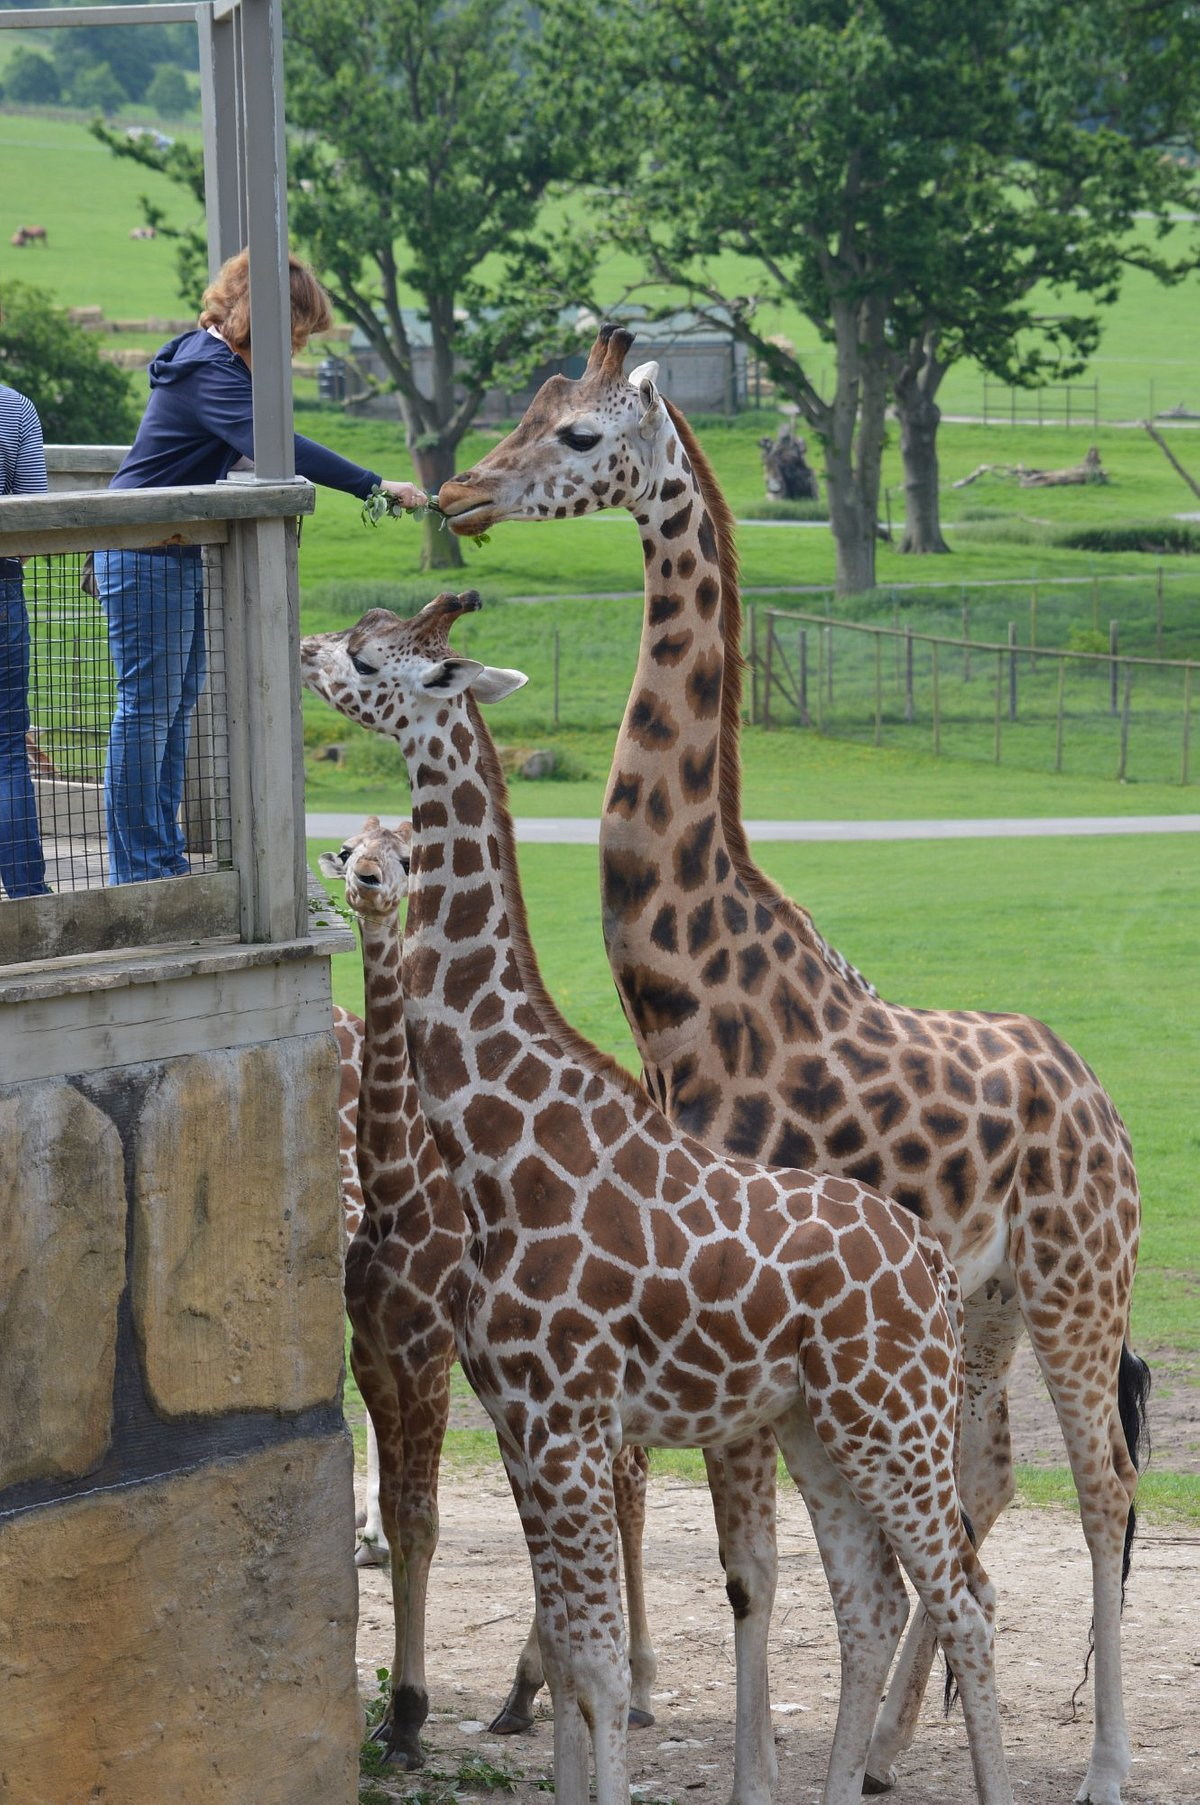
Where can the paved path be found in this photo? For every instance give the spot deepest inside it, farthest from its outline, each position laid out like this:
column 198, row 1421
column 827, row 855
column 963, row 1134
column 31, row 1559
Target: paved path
column 584, row 831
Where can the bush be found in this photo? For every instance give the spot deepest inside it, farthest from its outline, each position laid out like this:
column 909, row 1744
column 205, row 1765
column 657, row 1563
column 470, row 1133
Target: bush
column 80, row 399
column 97, row 90
column 31, row 79
column 1160, row 538
column 170, row 93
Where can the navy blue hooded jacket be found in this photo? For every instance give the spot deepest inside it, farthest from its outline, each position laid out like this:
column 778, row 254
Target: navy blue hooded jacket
column 200, row 420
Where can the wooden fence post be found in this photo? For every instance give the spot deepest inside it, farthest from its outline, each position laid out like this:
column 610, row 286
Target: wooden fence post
column 879, row 689
column 805, row 718
column 753, row 623
column 1096, row 604
column 829, row 663
column 1158, row 613
column 1113, row 668
column 909, row 711
column 1058, row 723
column 556, row 661
column 766, row 706
column 1033, row 600
column 1187, row 723
column 937, row 709
column 999, row 695
column 1012, row 670
column 966, row 626
column 1124, row 752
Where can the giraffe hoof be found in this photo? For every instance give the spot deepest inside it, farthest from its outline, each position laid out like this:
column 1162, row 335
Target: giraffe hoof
column 872, row 1786
column 371, row 1554
column 398, row 1752
column 639, row 1719
column 510, row 1723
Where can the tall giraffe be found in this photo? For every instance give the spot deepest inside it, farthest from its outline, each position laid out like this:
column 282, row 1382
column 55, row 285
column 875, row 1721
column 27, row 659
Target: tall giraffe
column 407, row 1238
column 761, row 1039
column 623, row 1283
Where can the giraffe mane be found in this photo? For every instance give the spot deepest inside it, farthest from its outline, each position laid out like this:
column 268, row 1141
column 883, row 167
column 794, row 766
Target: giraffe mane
column 575, row 1045
column 729, row 780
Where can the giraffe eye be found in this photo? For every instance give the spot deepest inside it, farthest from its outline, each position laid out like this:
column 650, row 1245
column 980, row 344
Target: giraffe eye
column 579, row 438
column 362, row 667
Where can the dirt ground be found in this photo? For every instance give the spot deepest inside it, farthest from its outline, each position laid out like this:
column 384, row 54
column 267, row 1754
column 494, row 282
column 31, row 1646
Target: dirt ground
column 481, row 1598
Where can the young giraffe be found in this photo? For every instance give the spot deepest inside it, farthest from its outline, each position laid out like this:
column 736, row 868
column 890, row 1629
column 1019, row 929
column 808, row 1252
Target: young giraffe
column 759, row 1037
column 623, row 1283
column 401, row 1291
column 371, row 1548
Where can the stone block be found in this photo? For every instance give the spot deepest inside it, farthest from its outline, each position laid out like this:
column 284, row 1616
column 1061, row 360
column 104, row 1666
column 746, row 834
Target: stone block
column 190, row 1639
column 237, row 1271
column 62, row 1254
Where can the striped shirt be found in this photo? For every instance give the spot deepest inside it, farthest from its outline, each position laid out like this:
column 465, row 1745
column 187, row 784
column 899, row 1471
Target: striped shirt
column 22, row 455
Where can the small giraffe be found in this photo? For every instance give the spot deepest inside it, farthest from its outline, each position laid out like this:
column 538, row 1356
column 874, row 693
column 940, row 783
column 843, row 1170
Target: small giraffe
column 623, row 1283
column 371, row 1548
column 761, row 1039
column 400, row 1294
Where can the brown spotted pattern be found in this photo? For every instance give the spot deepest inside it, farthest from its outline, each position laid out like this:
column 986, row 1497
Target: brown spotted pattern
column 623, row 1283
column 761, row 1040
column 407, row 1240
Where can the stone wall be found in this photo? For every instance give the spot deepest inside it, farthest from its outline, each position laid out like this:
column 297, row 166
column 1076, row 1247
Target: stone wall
column 177, row 1589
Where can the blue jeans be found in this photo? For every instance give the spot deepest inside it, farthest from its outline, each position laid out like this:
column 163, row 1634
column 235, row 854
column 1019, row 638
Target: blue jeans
column 22, row 867
column 155, row 606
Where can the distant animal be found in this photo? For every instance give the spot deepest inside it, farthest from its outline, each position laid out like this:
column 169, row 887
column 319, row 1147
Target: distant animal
column 144, row 232
column 786, row 468
column 29, row 235
column 40, row 763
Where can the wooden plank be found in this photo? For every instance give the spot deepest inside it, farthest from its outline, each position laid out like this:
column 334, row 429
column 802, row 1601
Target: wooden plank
column 48, row 1037
column 62, row 540
column 155, row 12
column 97, row 509
column 123, row 915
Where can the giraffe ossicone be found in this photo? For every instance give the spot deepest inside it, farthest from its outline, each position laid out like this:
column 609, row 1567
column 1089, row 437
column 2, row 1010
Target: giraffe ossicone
column 623, row 1283
column 762, row 1039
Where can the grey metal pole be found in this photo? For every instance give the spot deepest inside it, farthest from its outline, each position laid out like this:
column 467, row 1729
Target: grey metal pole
column 261, row 100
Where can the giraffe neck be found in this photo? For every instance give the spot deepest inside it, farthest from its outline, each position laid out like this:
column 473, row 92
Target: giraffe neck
column 478, row 1013
column 388, row 1152
column 671, row 835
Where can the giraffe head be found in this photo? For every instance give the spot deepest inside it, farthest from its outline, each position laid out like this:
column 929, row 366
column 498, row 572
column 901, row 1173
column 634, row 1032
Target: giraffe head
column 333, row 864
column 395, row 675
column 596, row 443
column 376, row 868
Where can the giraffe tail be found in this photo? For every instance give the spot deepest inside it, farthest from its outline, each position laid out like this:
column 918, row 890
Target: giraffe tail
column 1133, row 1398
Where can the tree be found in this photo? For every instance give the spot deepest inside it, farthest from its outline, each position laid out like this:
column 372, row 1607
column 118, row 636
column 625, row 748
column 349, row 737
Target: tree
column 79, row 397
column 132, row 54
column 170, row 93
column 810, row 137
column 31, row 80
column 422, row 157
column 98, row 90
column 1102, row 92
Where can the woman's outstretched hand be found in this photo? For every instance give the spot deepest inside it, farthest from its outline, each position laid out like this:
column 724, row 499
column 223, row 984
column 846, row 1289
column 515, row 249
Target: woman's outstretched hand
column 405, row 495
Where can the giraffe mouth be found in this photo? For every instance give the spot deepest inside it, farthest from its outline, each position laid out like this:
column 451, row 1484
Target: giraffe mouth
column 463, row 511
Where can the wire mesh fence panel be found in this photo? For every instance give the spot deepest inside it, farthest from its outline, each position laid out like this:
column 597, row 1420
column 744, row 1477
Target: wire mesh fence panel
column 73, row 694
column 1086, row 713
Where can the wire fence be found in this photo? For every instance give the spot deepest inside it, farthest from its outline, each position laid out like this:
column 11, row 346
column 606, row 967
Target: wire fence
column 71, row 699
column 1037, row 706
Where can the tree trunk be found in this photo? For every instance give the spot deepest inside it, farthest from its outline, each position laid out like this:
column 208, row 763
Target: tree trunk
column 919, row 416
column 853, row 532
column 440, row 549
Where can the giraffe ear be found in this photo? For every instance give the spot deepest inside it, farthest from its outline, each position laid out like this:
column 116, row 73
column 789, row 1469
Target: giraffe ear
column 493, row 685
column 643, row 380
column 450, row 676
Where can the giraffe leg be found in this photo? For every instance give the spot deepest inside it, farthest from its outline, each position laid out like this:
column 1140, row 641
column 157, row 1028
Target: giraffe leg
column 742, row 1481
column 410, row 1430
column 372, row 1549
column 992, row 1330
column 1105, row 1475
column 573, row 1552
column 869, row 1599
column 630, row 1470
